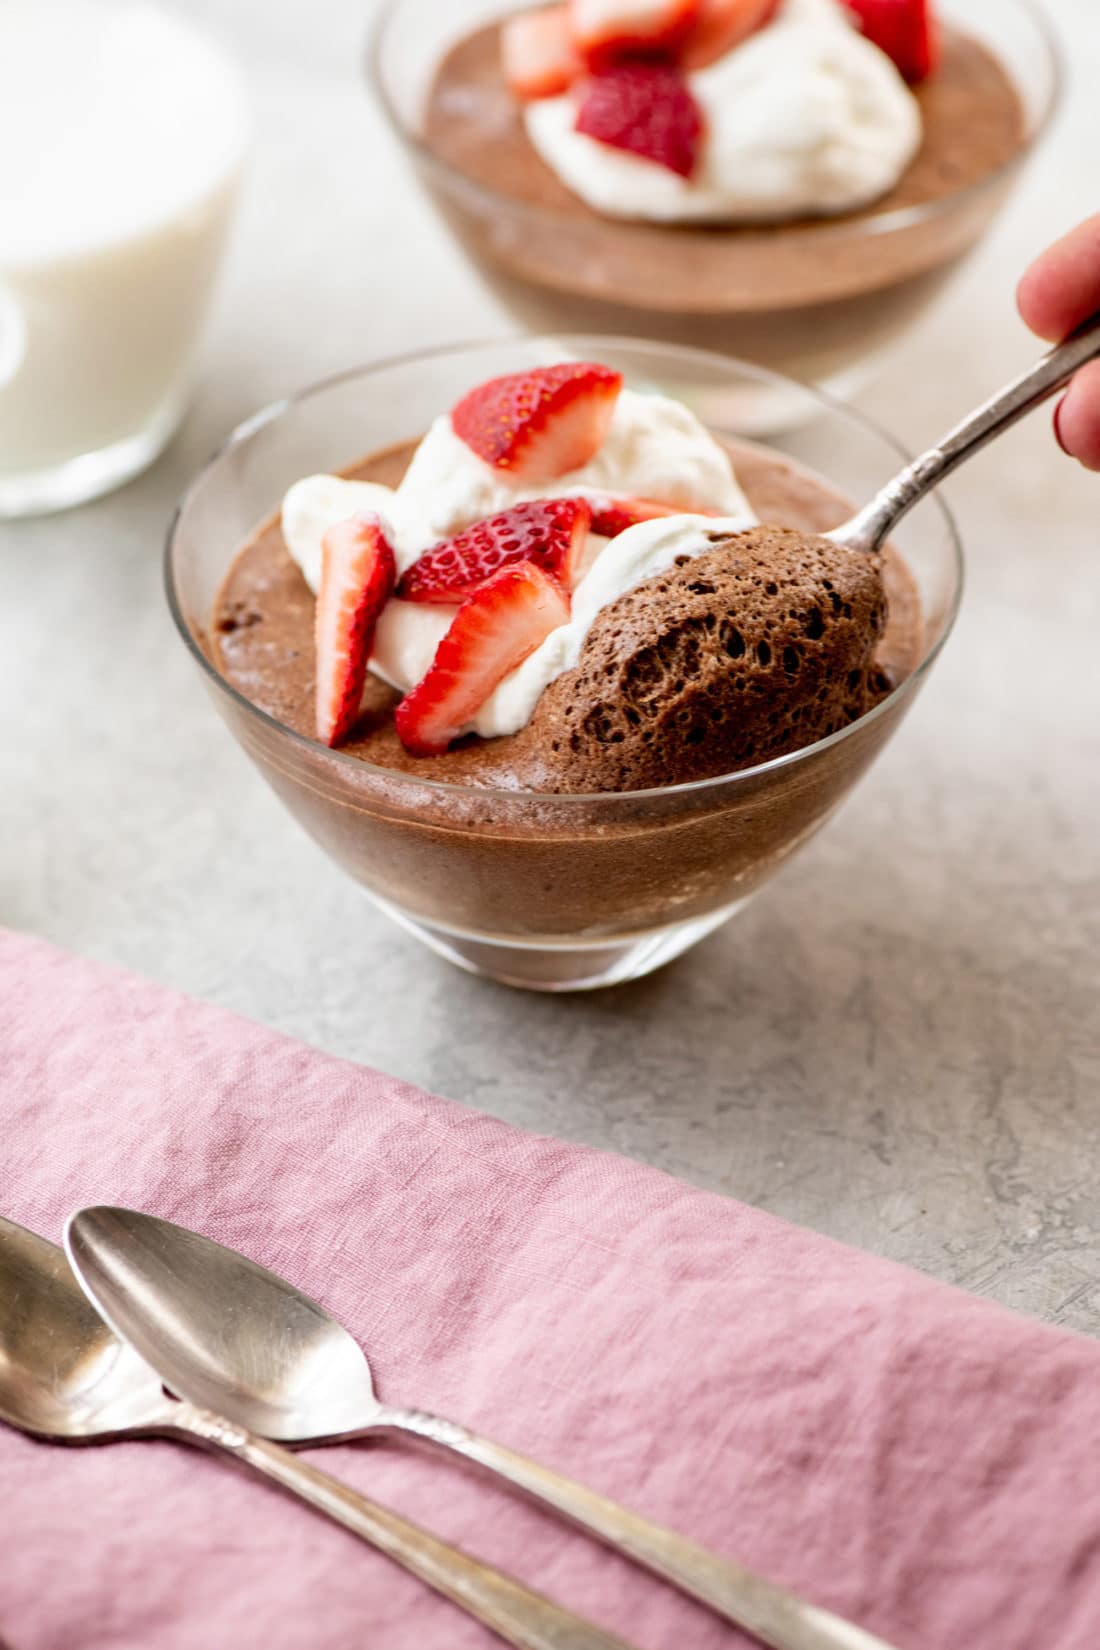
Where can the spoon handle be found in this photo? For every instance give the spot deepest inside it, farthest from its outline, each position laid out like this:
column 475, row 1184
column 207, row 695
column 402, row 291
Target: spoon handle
column 868, row 530
column 517, row 1614
column 767, row 1611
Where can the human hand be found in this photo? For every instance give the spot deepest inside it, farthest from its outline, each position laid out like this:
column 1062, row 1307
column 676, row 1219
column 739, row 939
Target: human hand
column 1059, row 291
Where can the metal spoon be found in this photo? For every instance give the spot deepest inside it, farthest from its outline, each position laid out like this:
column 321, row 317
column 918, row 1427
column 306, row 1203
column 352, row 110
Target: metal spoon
column 66, row 1377
column 868, row 529
column 223, row 1331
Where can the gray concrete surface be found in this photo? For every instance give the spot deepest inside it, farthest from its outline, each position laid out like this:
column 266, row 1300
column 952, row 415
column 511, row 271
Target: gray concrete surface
column 899, row 1043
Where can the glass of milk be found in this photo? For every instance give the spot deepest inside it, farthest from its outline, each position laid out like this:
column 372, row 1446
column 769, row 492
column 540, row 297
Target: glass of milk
column 122, row 134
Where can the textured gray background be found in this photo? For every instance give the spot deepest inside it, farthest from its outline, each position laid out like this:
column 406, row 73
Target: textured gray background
column 897, row 1044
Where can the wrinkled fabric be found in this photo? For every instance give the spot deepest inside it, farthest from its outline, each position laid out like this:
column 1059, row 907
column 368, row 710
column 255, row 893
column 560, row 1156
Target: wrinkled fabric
column 916, row 1459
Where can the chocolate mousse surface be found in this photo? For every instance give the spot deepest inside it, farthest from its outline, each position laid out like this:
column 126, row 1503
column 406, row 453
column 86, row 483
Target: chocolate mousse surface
column 974, row 124
column 767, row 642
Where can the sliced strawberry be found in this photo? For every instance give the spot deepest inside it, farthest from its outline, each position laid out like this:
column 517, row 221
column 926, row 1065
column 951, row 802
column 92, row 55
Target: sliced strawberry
column 493, row 631
column 611, row 515
column 538, row 55
column 720, row 26
column 541, row 424
column 605, row 31
column 548, row 531
column 357, row 578
column 905, row 30
column 586, row 553
column 646, row 108
column 570, row 558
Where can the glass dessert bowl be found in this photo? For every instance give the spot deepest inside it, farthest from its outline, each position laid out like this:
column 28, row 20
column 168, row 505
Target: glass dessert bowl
column 548, row 889
column 818, row 298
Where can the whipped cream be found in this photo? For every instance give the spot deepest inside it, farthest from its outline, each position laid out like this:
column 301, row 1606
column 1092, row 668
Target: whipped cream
column 655, row 448
column 806, row 116
column 316, row 503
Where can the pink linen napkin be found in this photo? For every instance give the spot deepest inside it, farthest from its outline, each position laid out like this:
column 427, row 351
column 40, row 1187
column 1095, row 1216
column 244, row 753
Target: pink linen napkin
column 913, row 1458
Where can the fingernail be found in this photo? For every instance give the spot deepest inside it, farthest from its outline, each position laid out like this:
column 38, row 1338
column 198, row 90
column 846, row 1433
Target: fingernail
column 1058, row 428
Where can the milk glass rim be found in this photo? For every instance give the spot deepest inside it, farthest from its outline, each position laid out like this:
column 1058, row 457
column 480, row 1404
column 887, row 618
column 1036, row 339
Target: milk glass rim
column 811, row 234
column 488, row 796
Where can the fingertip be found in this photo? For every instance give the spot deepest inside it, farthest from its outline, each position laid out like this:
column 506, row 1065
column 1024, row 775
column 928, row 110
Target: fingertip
column 1077, row 418
column 1062, row 287
column 1039, row 302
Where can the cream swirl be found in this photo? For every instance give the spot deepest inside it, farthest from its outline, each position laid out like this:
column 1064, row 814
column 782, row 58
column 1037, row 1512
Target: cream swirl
column 804, row 117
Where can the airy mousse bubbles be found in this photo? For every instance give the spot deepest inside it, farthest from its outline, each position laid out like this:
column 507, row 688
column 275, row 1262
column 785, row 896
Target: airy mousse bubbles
column 122, row 131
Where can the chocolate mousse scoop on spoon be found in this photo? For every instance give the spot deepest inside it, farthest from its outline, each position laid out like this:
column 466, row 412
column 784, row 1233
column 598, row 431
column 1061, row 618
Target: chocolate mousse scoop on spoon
column 761, row 645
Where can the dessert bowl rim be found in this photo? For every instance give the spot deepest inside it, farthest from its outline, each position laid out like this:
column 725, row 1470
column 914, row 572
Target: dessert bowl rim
column 812, row 231
column 491, row 795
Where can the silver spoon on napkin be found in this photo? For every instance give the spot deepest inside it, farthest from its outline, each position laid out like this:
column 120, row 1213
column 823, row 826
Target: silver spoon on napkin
column 64, row 1376
column 226, row 1333
column 867, row 531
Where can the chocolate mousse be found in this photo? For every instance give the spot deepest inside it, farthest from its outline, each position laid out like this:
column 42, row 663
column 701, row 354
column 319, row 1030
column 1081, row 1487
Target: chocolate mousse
column 808, row 295
column 572, row 778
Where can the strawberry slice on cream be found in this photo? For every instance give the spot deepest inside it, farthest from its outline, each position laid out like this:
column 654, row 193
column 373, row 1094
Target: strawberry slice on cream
column 549, row 532
column 538, row 54
column 493, row 631
column 357, row 579
column 541, row 424
column 720, row 26
column 607, row 31
column 905, row 30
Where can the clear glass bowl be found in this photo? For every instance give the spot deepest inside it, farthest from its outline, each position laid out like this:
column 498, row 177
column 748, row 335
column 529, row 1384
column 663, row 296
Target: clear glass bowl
column 545, row 891
column 870, row 276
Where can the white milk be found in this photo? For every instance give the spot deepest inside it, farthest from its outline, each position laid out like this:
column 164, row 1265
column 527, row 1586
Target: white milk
column 122, row 131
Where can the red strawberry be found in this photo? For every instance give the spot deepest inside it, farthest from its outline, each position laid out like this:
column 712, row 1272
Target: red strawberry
column 720, row 26
column 611, row 516
column 606, row 30
column 905, row 30
column 570, row 558
column 357, row 577
column 646, row 108
column 493, row 631
column 541, row 424
column 538, row 55
column 550, row 532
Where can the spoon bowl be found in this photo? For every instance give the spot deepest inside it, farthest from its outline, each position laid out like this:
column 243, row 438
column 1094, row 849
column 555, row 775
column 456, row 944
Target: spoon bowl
column 63, row 1374
column 223, row 1331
